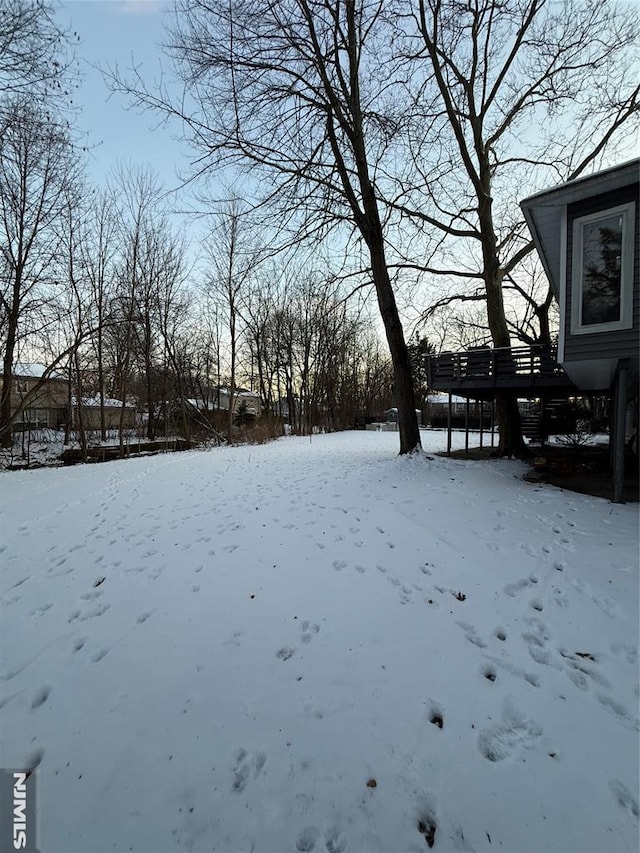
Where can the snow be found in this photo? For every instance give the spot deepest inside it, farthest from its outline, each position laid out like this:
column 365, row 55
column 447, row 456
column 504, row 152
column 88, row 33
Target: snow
column 442, row 399
column 94, row 402
column 217, row 651
column 34, row 370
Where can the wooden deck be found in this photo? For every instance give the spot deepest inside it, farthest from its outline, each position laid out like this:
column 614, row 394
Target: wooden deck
column 479, row 373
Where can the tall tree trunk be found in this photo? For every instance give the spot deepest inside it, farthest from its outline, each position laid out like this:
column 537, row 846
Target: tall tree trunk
column 6, row 431
column 403, row 380
column 511, row 442
column 6, row 425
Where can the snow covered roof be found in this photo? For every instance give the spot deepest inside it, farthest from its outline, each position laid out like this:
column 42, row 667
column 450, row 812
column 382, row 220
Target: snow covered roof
column 238, row 392
column 94, row 402
column 202, row 404
column 442, row 399
column 34, row 370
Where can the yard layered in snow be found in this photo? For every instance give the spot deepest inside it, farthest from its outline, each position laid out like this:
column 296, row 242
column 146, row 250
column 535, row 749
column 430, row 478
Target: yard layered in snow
column 217, row 651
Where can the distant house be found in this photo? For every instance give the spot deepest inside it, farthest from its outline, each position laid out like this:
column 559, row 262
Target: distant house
column 38, row 402
column 251, row 400
column 41, row 401
column 438, row 404
column 587, row 235
column 219, row 400
column 113, row 413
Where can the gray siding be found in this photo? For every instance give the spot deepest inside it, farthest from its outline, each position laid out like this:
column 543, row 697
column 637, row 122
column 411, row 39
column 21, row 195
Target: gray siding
column 546, row 220
column 624, row 343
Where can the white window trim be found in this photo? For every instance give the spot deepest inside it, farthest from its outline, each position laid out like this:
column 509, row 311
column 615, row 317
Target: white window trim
column 626, row 272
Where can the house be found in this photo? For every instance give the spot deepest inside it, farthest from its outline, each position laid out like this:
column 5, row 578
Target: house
column 219, row 399
column 38, row 401
column 586, row 232
column 113, row 413
column 437, row 404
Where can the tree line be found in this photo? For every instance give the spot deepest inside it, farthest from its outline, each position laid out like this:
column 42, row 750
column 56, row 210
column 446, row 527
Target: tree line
column 390, row 139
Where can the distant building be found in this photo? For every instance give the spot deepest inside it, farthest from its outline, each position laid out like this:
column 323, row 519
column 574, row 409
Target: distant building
column 41, row 401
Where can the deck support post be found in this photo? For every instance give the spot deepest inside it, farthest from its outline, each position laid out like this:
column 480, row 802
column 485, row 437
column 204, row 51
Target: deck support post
column 480, row 403
column 466, row 426
column 449, row 426
column 618, row 431
column 493, row 422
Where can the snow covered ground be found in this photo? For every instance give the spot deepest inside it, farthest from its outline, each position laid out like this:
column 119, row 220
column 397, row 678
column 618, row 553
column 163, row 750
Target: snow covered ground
column 317, row 645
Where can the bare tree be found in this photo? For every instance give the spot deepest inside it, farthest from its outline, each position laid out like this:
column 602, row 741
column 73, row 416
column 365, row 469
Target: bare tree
column 36, row 171
column 139, row 192
column 234, row 257
column 34, row 54
column 505, row 89
column 293, row 88
column 98, row 250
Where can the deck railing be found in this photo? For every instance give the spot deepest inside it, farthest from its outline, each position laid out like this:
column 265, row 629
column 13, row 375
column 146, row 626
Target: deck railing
column 488, row 365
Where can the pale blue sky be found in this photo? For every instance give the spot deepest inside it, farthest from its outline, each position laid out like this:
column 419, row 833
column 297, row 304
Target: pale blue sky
column 119, row 32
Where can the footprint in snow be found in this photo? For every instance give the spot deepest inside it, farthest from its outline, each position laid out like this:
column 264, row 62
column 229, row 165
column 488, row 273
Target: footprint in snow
column 306, row 840
column 536, row 647
column 515, row 733
column 512, row 589
column 624, row 798
column 471, row 635
column 40, row 697
column 436, row 715
column 339, row 565
column 489, row 673
column 285, row 653
column 628, row 651
column 93, row 614
column 619, row 711
column 426, row 822
column 559, row 599
column 531, row 679
column 334, row 841
column 308, row 630
column 246, row 766
column 90, row 596
column 100, row 655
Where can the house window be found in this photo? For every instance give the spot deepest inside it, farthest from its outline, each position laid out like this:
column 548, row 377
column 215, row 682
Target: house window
column 35, row 418
column 21, row 386
column 602, row 271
